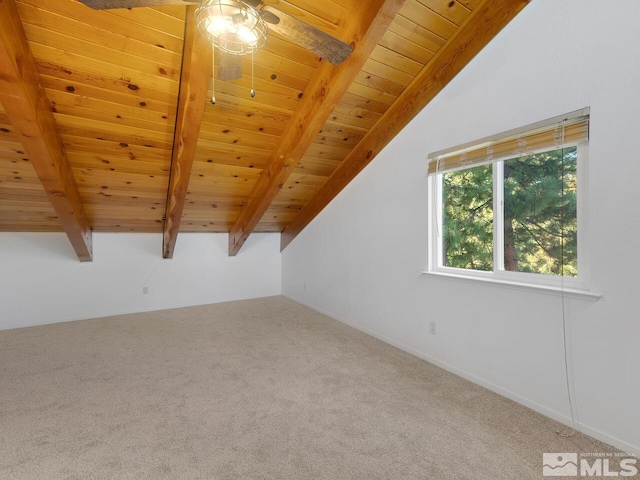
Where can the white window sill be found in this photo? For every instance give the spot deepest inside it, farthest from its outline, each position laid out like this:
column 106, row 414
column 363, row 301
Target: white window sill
column 544, row 289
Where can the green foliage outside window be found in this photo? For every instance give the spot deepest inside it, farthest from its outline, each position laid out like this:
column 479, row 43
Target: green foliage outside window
column 540, row 218
column 467, row 218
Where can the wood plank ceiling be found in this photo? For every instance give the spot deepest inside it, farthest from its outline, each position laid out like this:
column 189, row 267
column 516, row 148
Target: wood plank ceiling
column 141, row 148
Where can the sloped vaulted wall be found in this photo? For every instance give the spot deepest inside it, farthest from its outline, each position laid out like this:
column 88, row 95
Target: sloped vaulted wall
column 360, row 259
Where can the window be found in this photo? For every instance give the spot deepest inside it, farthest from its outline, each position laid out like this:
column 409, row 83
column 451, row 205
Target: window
column 509, row 207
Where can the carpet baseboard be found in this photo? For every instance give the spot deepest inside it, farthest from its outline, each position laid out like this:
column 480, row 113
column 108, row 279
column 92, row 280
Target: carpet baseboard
column 554, row 415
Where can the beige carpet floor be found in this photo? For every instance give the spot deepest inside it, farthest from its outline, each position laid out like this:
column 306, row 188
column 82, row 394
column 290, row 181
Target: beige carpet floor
column 257, row 389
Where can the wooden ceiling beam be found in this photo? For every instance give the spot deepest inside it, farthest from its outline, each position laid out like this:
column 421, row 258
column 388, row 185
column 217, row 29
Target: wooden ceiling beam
column 26, row 104
column 194, row 83
column 479, row 29
column 364, row 27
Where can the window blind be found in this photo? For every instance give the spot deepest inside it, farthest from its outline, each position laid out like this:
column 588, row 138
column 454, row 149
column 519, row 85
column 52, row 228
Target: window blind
column 569, row 129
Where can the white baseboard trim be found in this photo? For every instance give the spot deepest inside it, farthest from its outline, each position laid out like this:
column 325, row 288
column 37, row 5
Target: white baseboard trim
column 128, row 311
column 587, row 430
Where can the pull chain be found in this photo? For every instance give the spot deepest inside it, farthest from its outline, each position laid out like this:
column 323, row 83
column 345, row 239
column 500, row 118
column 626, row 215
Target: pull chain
column 213, row 75
column 253, row 92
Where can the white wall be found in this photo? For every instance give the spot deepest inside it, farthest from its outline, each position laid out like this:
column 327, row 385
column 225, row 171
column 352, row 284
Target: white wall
column 42, row 281
column 361, row 258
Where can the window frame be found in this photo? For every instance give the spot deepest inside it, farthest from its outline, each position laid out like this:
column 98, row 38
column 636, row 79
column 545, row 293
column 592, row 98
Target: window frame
column 578, row 285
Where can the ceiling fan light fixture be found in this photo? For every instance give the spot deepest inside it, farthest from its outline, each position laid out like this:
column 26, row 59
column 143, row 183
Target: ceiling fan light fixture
column 233, row 27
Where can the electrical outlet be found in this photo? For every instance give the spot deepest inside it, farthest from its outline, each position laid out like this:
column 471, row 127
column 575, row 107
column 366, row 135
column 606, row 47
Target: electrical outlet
column 145, row 290
column 305, row 285
column 432, row 328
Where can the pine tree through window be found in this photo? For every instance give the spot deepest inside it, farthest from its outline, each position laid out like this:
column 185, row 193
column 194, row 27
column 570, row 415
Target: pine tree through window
column 539, row 217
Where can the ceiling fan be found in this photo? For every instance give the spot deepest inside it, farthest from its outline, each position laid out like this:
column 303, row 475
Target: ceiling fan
column 230, row 62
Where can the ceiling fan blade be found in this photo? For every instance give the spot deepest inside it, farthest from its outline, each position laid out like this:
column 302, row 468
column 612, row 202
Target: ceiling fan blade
column 229, row 66
column 308, row 36
column 107, row 4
